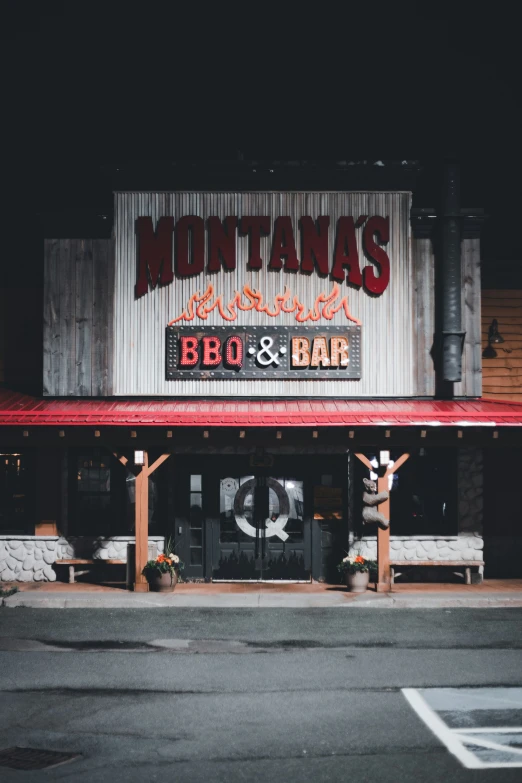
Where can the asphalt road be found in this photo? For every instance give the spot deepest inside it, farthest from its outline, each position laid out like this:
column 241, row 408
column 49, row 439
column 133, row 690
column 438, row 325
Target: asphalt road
column 235, row 695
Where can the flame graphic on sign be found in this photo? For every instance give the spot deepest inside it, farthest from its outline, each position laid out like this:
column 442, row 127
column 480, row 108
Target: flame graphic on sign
column 325, row 305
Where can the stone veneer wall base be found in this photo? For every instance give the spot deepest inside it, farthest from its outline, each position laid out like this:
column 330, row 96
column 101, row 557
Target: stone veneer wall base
column 31, row 558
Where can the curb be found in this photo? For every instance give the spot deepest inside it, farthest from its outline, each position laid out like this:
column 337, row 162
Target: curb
column 253, row 601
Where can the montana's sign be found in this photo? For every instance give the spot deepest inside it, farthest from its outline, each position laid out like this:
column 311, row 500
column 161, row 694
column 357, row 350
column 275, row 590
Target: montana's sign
column 192, row 246
column 263, row 352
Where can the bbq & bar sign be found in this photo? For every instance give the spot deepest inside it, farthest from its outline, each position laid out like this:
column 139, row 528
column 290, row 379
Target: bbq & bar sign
column 263, row 352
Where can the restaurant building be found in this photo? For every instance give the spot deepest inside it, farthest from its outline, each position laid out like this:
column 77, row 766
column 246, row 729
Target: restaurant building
column 235, row 358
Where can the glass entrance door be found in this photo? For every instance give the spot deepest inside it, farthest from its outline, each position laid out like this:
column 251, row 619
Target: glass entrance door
column 262, row 532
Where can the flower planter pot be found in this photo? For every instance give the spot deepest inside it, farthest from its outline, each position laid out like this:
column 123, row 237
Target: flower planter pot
column 161, row 583
column 357, row 582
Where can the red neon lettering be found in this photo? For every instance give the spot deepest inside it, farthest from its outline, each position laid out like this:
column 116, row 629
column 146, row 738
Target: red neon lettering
column 154, row 253
column 314, row 242
column 211, row 351
column 190, row 254
column 256, row 227
column 284, row 246
column 234, row 352
column 189, row 351
column 222, row 243
column 346, row 254
column 380, row 227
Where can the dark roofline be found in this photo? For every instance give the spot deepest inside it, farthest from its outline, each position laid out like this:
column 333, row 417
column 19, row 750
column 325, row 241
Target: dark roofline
column 260, row 175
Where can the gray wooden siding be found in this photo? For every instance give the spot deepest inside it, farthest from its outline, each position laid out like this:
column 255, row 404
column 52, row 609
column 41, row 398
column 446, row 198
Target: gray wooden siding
column 78, row 294
column 471, row 385
column 424, row 284
column 424, row 316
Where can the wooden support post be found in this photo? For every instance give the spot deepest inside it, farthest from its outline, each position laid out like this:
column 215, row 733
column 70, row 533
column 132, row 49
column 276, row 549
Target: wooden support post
column 383, row 543
column 141, row 515
column 141, row 528
column 384, row 576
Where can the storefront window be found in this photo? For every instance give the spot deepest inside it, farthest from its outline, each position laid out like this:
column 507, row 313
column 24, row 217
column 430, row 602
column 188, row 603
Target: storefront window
column 196, row 520
column 93, row 494
column 423, row 493
column 13, row 494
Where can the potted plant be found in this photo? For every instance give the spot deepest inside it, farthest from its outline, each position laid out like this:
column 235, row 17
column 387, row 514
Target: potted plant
column 163, row 572
column 356, row 571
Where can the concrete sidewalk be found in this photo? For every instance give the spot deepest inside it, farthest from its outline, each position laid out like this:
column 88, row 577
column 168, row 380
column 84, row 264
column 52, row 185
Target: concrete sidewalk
column 492, row 593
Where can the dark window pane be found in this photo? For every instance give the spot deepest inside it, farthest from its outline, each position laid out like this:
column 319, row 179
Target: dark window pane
column 13, row 493
column 196, row 557
column 196, row 500
column 92, row 513
column 196, row 517
column 228, row 529
column 195, row 483
column 423, row 494
column 196, row 538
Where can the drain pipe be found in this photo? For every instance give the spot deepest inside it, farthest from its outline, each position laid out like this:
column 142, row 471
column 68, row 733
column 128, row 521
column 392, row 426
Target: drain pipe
column 452, row 334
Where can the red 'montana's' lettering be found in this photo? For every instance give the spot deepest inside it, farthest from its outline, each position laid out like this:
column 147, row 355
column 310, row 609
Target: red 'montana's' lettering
column 190, row 246
column 155, row 248
column 314, row 244
column 283, row 246
column 256, row 227
column 380, row 227
column 346, row 253
column 222, row 243
column 154, row 253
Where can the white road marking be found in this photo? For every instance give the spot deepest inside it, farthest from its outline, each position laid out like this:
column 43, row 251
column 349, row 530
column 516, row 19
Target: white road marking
column 456, row 739
column 439, row 728
column 485, row 695
column 493, row 730
column 484, row 743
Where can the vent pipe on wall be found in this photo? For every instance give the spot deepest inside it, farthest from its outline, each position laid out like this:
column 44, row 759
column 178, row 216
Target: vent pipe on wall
column 452, row 334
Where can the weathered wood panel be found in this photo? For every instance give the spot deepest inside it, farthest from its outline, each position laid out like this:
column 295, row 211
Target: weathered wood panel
column 67, row 272
column 424, row 315
column 103, row 269
column 51, row 311
column 502, row 375
column 78, row 295
column 471, row 385
column 83, row 315
column 424, row 318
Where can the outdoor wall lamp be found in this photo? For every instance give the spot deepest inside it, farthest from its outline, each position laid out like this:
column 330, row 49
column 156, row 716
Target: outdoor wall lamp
column 493, row 337
column 139, row 458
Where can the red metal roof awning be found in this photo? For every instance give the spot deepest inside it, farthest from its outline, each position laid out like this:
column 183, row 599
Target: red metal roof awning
column 25, row 411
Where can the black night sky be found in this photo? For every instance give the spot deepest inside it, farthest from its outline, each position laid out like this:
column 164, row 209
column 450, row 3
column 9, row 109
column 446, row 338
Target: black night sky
column 88, row 86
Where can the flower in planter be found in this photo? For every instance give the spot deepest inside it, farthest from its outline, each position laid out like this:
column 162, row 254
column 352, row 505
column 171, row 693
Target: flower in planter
column 164, row 564
column 355, row 563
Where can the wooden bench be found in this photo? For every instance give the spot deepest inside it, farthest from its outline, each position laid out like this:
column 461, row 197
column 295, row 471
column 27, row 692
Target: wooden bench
column 75, row 562
column 457, row 565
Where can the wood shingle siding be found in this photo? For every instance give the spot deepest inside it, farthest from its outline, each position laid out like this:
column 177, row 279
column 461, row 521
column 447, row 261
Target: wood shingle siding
column 502, row 376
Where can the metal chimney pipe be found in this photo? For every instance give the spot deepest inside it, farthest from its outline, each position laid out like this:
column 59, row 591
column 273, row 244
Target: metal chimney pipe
column 452, row 334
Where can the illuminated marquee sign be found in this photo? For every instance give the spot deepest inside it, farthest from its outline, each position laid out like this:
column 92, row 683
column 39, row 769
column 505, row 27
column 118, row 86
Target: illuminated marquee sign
column 263, row 352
